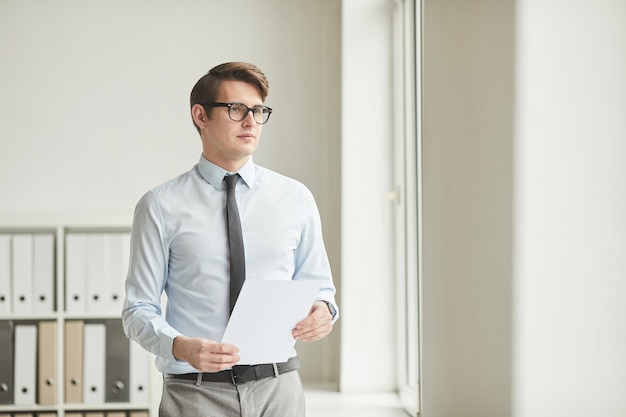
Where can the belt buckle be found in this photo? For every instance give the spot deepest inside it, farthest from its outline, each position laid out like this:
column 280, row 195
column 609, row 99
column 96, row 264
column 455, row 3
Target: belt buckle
column 233, row 377
column 238, row 375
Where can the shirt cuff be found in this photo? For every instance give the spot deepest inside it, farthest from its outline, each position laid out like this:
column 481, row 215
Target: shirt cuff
column 167, row 341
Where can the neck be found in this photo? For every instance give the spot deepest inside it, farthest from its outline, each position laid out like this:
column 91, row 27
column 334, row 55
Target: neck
column 228, row 165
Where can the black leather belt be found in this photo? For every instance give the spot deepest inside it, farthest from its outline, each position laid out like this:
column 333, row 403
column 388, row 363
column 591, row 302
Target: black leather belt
column 240, row 374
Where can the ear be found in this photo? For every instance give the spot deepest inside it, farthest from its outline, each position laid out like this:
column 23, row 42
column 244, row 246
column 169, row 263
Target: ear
column 198, row 115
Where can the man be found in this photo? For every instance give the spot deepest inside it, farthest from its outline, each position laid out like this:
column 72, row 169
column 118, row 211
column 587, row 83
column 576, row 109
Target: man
column 180, row 245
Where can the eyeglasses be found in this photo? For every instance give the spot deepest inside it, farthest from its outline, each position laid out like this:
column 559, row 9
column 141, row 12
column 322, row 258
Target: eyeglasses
column 239, row 111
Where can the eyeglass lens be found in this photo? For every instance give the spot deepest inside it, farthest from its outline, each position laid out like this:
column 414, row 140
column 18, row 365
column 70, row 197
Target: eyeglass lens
column 238, row 112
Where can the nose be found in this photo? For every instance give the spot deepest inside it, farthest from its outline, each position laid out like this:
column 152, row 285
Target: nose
column 249, row 119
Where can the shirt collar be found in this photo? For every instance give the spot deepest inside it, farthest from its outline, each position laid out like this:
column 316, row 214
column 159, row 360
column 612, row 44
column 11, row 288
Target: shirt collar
column 214, row 174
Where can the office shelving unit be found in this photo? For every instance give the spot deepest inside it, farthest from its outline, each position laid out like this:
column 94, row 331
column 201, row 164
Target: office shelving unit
column 55, row 394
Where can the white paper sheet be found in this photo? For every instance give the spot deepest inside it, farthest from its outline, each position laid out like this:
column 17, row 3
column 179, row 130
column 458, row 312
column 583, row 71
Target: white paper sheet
column 265, row 314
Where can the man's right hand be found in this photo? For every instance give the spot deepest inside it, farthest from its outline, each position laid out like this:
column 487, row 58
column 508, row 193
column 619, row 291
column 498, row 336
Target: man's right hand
column 205, row 355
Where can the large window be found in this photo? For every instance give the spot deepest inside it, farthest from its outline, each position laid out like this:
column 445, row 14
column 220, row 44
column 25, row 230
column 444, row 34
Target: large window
column 406, row 195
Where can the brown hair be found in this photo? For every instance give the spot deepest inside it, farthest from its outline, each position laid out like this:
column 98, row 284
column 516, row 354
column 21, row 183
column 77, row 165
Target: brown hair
column 207, row 87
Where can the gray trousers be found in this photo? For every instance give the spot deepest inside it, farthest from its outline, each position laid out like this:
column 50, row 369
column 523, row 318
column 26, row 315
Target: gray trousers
column 281, row 396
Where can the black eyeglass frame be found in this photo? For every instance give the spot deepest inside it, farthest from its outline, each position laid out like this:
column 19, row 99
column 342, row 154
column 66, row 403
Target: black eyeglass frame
column 248, row 109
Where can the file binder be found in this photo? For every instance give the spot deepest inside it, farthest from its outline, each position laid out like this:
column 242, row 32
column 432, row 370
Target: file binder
column 25, row 364
column 74, row 361
column 118, row 255
column 43, row 273
column 94, row 414
column 94, row 363
column 107, row 265
column 47, row 355
column 75, row 272
column 6, row 362
column 139, row 374
column 116, row 414
column 22, row 279
column 97, row 267
column 5, row 274
column 117, row 362
column 138, row 414
column 73, row 414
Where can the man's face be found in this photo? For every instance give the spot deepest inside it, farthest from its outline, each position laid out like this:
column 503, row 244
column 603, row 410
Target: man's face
column 225, row 142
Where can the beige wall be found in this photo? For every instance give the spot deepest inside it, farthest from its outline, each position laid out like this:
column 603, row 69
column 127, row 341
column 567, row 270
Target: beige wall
column 468, row 65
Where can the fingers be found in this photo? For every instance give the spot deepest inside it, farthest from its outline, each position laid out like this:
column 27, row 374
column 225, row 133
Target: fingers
column 312, row 334
column 217, row 363
column 224, row 348
column 216, row 357
column 316, row 326
column 205, row 355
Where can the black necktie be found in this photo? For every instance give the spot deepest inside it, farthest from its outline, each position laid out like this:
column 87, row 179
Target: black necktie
column 235, row 240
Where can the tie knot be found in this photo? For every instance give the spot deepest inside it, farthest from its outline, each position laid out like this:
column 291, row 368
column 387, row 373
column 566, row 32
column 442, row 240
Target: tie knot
column 231, row 180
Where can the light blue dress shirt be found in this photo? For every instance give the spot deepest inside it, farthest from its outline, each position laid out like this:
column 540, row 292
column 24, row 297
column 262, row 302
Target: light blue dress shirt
column 179, row 246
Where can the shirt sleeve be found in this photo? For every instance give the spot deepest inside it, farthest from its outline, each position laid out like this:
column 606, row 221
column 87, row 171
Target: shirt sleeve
column 311, row 258
column 141, row 314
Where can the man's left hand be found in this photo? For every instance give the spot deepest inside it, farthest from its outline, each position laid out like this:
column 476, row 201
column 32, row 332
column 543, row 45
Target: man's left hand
column 317, row 325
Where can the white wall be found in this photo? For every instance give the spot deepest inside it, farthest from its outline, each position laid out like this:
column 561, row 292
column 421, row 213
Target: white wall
column 94, row 106
column 570, row 228
column 524, row 202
